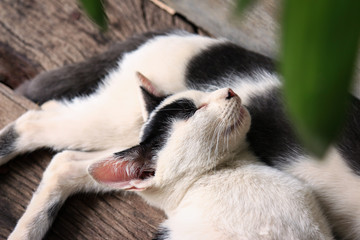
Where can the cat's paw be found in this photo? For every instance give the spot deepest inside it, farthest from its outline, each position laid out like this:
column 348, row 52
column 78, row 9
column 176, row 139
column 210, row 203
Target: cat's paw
column 8, row 138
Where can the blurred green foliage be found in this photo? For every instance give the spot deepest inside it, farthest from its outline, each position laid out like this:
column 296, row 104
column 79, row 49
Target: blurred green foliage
column 317, row 60
column 95, row 10
column 318, row 56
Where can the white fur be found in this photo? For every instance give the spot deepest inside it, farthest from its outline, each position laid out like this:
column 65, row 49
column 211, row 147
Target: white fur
column 111, row 118
column 114, row 110
column 229, row 194
column 337, row 188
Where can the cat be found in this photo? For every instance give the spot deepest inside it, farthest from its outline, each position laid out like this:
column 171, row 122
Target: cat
column 94, row 108
column 207, row 181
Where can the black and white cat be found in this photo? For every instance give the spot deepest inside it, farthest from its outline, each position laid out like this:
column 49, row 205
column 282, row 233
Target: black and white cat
column 107, row 115
column 207, row 181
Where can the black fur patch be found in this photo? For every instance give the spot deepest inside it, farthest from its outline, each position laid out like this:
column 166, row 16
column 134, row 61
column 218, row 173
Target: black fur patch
column 156, row 129
column 155, row 135
column 162, row 234
column 80, row 78
column 223, row 59
column 349, row 142
column 7, row 141
column 151, row 101
column 271, row 136
column 53, row 210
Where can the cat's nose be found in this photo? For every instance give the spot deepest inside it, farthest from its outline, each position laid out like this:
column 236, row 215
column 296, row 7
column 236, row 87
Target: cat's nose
column 230, row 94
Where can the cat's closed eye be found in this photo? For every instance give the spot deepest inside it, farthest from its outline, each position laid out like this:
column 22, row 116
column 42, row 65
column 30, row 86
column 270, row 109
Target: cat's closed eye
column 202, row 106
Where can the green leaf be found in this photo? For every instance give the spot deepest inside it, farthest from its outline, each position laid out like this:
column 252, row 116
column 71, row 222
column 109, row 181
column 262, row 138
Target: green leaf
column 241, row 5
column 95, row 10
column 319, row 45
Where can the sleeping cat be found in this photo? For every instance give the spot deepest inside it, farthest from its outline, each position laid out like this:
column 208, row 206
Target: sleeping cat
column 207, row 181
column 94, row 108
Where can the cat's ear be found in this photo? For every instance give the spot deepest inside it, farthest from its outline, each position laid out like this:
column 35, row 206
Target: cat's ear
column 128, row 170
column 151, row 97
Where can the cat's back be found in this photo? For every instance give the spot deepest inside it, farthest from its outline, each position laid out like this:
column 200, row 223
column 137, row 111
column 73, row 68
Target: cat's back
column 255, row 202
column 163, row 59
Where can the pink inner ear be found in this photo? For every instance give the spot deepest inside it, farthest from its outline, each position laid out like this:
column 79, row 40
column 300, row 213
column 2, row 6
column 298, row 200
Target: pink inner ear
column 115, row 172
column 146, row 83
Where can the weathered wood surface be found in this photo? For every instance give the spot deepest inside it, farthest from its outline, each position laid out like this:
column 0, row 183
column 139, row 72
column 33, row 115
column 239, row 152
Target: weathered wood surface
column 257, row 29
column 40, row 35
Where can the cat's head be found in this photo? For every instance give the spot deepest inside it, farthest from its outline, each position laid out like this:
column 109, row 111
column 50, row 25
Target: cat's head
column 188, row 133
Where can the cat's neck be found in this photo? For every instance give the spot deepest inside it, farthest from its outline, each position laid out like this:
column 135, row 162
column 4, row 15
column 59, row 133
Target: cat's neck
column 168, row 197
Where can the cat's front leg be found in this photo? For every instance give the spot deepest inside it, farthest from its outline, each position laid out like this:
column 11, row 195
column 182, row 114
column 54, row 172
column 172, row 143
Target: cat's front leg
column 66, row 174
column 29, row 132
column 8, row 138
column 82, row 125
column 17, row 137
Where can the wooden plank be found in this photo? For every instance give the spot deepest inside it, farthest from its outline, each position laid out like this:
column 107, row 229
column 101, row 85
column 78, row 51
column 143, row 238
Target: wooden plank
column 256, row 30
column 14, row 67
column 12, row 105
column 7, row 95
column 49, row 34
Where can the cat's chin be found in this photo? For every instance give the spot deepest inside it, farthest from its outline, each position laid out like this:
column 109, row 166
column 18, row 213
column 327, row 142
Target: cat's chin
column 240, row 123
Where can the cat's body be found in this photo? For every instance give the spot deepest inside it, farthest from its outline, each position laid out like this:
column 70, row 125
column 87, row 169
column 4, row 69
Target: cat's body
column 109, row 120
column 207, row 181
column 247, row 201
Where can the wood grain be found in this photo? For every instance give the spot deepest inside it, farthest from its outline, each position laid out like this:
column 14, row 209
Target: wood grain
column 39, row 35
column 49, row 34
column 14, row 67
column 257, row 29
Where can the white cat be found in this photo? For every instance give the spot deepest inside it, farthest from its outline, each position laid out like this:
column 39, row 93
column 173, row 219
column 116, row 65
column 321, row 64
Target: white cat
column 193, row 162
column 97, row 110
